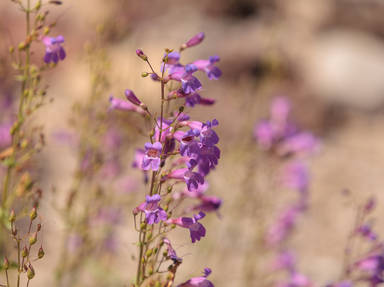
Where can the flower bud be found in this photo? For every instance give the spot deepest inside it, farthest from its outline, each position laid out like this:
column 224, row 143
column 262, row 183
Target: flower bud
column 33, row 214
column 40, row 253
column 12, row 216
column 21, row 46
column 130, row 95
column 149, row 252
column 30, row 272
column 38, row 227
column 195, row 40
column 38, row 5
column 141, row 54
column 144, row 74
column 6, row 263
column 33, row 238
column 24, row 252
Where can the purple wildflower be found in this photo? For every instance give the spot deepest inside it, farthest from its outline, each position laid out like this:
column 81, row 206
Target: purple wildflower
column 5, row 136
column 303, row 142
column 171, row 253
column 208, row 135
column 283, row 226
column 208, row 203
column 130, row 95
column 201, row 281
column 367, row 232
column 295, row 175
column 193, row 179
column 151, row 158
column 118, row 104
column 153, row 212
column 195, row 40
column 53, row 49
column 196, row 229
column 207, row 66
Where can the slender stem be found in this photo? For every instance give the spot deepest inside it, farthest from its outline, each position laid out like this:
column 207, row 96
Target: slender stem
column 15, row 137
column 6, row 275
column 18, row 263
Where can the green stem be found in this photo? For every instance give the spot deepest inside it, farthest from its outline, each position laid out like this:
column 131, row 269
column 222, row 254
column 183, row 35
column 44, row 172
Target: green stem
column 15, row 136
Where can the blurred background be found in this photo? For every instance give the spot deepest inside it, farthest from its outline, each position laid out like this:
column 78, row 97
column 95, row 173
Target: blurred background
column 326, row 56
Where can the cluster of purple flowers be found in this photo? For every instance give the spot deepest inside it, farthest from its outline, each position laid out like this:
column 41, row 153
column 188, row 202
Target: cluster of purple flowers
column 180, row 150
column 281, row 135
column 367, row 266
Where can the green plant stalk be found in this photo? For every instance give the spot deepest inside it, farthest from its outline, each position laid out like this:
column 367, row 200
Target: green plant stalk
column 20, row 117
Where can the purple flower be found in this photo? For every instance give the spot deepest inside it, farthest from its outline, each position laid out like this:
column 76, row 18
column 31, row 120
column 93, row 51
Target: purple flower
column 297, row 280
column 130, row 95
column 207, row 66
column 153, row 212
column 295, row 175
column 151, row 158
column 201, row 281
column 118, row 104
column 5, row 136
column 283, row 226
column 138, row 160
column 280, row 109
column 196, row 229
column 190, row 84
column 264, row 134
column 195, row 40
column 208, row 158
column 303, row 142
column 285, row 260
column 208, row 135
column 171, row 253
column 208, row 203
column 53, row 49
column 366, row 231
column 193, row 179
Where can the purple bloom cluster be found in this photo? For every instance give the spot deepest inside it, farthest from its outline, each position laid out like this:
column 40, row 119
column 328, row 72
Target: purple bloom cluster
column 369, row 267
column 281, row 135
column 179, row 150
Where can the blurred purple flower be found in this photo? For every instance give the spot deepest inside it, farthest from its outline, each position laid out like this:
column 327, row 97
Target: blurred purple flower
column 53, row 49
column 5, row 135
column 295, row 175
column 130, row 95
column 283, row 226
column 118, row 104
